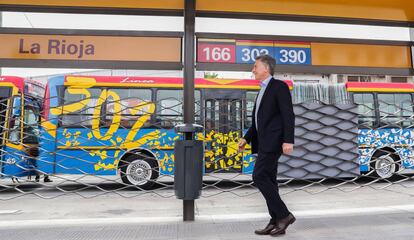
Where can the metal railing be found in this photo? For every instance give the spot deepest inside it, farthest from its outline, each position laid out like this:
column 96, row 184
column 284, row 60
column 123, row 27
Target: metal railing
column 128, row 150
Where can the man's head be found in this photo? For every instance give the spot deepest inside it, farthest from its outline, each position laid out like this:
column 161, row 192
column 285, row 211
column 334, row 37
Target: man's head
column 263, row 67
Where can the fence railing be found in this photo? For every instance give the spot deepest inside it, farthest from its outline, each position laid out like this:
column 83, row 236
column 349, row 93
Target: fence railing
column 125, row 146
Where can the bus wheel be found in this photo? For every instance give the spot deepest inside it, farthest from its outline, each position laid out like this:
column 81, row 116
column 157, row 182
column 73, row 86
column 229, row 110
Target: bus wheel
column 139, row 171
column 384, row 165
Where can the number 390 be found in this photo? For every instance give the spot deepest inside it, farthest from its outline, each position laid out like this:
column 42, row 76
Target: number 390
column 292, row 56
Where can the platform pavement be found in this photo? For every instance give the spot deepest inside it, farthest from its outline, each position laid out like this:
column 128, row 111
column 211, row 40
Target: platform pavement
column 365, row 213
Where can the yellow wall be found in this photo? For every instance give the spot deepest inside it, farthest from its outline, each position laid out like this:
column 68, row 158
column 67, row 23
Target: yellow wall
column 395, row 10
column 360, row 55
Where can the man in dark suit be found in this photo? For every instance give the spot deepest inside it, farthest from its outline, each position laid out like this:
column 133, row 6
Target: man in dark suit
column 271, row 134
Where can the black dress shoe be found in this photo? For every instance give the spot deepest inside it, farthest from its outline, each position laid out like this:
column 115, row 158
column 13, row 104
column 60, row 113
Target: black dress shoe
column 282, row 225
column 266, row 231
column 47, row 179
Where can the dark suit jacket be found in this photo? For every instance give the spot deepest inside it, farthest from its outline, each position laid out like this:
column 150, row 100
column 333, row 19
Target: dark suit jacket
column 276, row 119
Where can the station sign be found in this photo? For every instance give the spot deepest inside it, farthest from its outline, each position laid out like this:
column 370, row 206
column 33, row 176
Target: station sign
column 108, row 48
column 216, row 51
column 245, row 51
column 248, row 50
column 298, row 53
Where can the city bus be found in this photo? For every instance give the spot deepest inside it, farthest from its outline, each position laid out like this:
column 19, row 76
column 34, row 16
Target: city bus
column 125, row 125
column 385, row 125
column 98, row 125
column 20, row 106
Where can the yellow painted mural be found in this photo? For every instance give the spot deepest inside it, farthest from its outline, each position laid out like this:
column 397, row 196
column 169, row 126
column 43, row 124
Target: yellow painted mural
column 221, row 150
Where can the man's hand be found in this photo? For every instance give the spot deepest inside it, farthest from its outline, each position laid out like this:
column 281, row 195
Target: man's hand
column 242, row 144
column 287, row 148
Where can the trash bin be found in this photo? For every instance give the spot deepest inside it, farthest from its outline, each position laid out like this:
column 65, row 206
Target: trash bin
column 188, row 163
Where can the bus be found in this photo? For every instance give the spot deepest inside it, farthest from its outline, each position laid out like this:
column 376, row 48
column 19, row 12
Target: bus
column 20, row 106
column 385, row 127
column 98, row 125
column 125, row 125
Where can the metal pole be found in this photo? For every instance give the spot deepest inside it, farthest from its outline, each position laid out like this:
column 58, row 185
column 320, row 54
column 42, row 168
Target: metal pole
column 412, row 50
column 1, row 26
column 189, row 22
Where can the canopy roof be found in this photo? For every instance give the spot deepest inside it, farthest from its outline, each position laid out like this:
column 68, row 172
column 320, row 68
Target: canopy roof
column 376, row 10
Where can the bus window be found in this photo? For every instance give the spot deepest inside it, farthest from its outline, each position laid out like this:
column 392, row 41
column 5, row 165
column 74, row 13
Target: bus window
column 197, row 107
column 15, row 121
column 14, row 132
column 5, row 93
column 129, row 99
column 366, row 109
column 30, row 129
column 235, row 115
column 407, row 112
column 82, row 117
column 169, row 109
column 250, row 98
column 395, row 109
column 223, row 115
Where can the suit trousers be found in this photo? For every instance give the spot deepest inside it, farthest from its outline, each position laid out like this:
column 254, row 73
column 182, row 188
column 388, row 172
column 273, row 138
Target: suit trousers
column 264, row 177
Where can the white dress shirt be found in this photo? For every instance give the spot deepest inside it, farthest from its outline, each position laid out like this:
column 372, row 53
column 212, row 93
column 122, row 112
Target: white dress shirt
column 263, row 86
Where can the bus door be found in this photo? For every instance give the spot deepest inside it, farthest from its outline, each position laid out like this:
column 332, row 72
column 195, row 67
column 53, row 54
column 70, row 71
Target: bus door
column 5, row 95
column 14, row 150
column 223, row 127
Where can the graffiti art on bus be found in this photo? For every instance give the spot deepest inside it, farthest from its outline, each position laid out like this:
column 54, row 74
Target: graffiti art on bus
column 370, row 140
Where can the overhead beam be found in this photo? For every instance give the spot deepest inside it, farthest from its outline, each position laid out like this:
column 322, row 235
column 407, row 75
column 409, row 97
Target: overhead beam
column 379, row 12
column 122, row 7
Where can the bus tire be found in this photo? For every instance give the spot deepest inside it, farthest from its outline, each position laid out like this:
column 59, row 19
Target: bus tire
column 384, row 164
column 139, row 170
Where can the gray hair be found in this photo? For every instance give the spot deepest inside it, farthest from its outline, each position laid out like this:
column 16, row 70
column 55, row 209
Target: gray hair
column 269, row 61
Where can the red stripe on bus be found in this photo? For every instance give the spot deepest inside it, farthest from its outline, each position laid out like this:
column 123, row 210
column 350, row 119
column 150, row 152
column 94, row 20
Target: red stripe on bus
column 368, row 85
column 148, row 81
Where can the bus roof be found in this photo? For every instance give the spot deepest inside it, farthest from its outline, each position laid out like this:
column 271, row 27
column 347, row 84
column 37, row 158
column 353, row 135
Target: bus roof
column 26, row 86
column 379, row 87
column 163, row 82
column 15, row 81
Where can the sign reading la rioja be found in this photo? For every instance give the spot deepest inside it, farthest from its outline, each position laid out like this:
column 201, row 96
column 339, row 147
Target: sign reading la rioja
column 57, row 47
column 78, row 48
